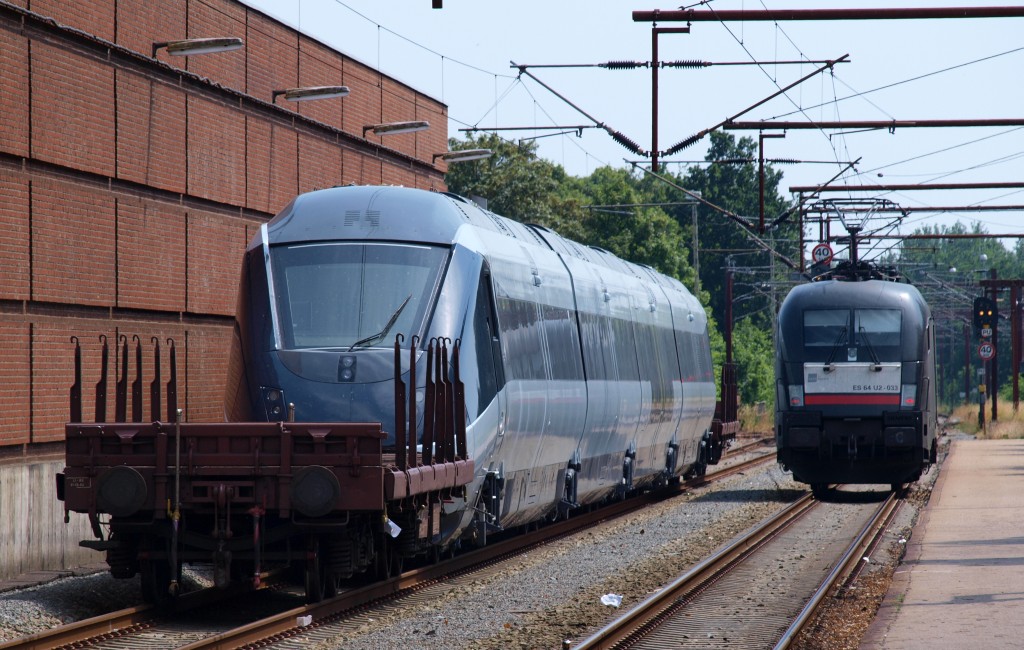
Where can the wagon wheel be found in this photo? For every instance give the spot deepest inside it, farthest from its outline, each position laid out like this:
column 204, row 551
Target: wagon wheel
column 156, row 581
column 156, row 572
column 320, row 582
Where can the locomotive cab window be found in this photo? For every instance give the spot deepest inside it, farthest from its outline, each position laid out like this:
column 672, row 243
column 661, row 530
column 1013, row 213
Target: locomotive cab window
column 339, row 294
column 825, row 328
column 878, row 328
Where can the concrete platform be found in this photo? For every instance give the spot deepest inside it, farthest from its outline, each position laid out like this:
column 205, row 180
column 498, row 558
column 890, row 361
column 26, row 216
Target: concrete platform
column 961, row 583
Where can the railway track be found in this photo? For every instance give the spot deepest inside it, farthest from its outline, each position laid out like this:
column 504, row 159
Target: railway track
column 764, row 587
column 146, row 626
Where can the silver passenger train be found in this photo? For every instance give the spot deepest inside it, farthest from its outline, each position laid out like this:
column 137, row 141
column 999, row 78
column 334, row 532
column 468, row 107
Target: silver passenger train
column 855, row 389
column 584, row 374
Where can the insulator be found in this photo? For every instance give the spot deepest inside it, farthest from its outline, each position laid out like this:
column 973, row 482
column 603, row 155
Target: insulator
column 685, row 64
column 626, row 142
column 624, row 65
column 679, row 146
column 784, row 161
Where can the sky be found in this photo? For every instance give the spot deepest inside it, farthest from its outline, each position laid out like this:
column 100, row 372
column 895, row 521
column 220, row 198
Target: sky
column 901, row 70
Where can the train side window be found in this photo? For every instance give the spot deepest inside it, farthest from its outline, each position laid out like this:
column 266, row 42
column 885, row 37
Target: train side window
column 488, row 343
column 486, row 292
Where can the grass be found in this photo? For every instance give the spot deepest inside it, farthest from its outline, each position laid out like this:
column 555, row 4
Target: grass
column 1009, row 425
column 757, row 418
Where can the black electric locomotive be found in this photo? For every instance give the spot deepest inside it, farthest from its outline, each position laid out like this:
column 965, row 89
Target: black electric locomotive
column 855, row 391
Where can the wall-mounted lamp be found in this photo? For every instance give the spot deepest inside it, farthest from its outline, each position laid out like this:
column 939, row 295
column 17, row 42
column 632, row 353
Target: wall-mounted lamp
column 310, row 93
column 463, row 155
column 190, row 46
column 394, row 128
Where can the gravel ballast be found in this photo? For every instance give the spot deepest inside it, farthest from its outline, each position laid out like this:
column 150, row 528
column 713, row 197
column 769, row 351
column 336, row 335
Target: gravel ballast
column 540, row 600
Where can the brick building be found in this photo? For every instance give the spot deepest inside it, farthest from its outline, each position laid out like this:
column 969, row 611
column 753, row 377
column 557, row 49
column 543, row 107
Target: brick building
column 131, row 183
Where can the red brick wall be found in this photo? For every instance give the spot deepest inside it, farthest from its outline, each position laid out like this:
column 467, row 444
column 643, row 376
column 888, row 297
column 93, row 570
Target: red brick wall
column 215, row 248
column 213, row 19
column 72, row 121
column 14, row 103
column 150, row 132
column 273, row 59
column 150, row 255
column 321, row 66
column 319, row 164
column 272, row 172
column 216, row 152
column 14, row 389
column 141, row 22
column 130, row 191
column 73, row 244
column 95, row 18
column 14, row 236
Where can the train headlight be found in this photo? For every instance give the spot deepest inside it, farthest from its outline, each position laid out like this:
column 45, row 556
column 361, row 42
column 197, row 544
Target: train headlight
column 908, row 396
column 273, row 401
column 347, row 368
column 121, row 491
column 796, row 395
column 315, row 491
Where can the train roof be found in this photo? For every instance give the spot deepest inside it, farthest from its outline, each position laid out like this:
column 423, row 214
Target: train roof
column 877, row 294
column 382, row 213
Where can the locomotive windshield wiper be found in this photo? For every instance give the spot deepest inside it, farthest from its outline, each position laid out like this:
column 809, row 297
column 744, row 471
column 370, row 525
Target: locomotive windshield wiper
column 387, row 328
column 877, row 367
column 835, row 346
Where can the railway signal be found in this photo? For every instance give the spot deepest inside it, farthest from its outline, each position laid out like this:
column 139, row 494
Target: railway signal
column 985, row 315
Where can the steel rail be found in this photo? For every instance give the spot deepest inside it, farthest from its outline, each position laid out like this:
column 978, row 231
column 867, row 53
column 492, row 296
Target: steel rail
column 846, row 569
column 662, row 605
column 132, row 619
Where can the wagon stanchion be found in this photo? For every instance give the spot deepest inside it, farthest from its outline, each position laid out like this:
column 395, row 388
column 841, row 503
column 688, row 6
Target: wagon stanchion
column 172, row 384
column 76, row 388
column 444, row 408
column 412, row 399
column 154, row 386
column 401, row 450
column 459, row 418
column 428, row 408
column 101, row 385
column 121, row 386
column 137, row 384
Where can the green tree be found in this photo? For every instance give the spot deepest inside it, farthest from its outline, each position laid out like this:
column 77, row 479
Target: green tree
column 754, row 354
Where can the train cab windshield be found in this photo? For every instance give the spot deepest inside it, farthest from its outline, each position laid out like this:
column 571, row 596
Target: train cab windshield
column 852, row 335
column 347, row 295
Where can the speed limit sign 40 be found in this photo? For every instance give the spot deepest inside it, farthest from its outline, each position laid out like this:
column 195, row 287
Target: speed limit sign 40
column 986, row 351
column 822, row 253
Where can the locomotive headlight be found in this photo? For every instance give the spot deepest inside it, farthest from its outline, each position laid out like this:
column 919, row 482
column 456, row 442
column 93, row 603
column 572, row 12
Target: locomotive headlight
column 347, row 368
column 908, row 396
column 273, row 402
column 796, row 395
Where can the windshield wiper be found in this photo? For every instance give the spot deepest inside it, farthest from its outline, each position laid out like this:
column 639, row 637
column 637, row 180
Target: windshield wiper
column 387, row 328
column 829, row 367
column 877, row 367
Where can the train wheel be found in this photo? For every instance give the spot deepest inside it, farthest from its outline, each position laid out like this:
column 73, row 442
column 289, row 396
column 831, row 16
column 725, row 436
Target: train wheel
column 156, row 581
column 319, row 583
column 819, row 489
